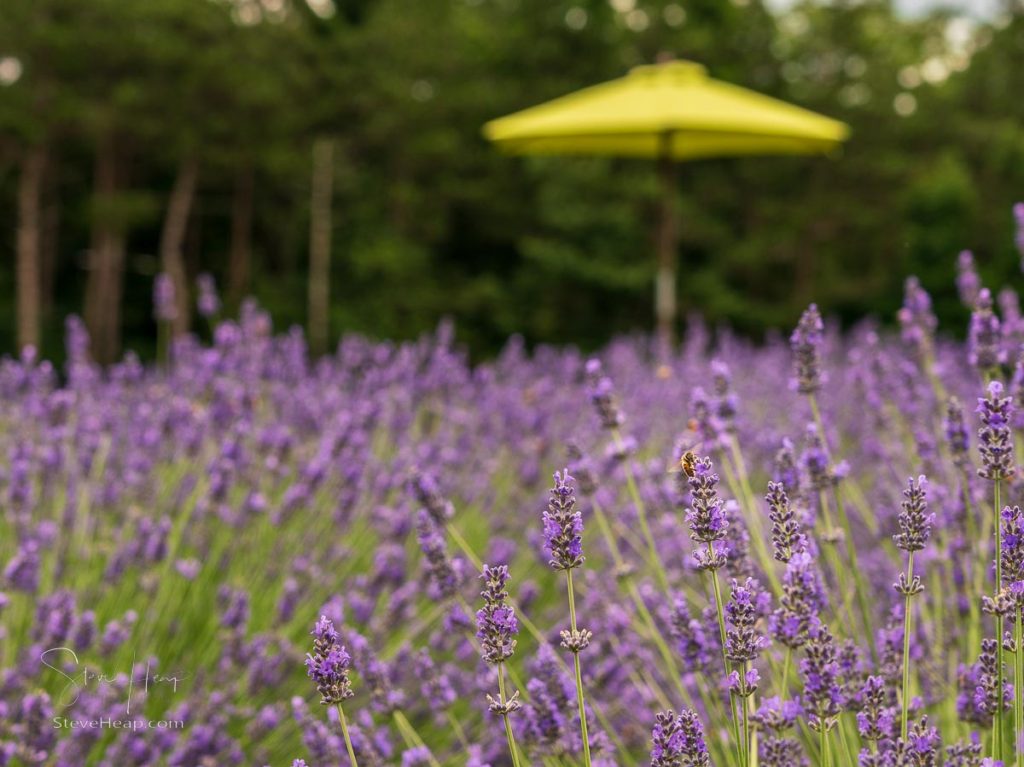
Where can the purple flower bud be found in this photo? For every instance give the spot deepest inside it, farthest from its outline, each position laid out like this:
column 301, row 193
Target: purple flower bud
column 806, row 345
column 602, row 396
column 678, row 741
column 914, row 520
column 706, row 515
column 563, row 525
column 995, row 441
column 984, row 337
column 164, row 306
column 968, row 284
column 497, row 626
column 207, row 299
column 328, row 664
column 22, row 571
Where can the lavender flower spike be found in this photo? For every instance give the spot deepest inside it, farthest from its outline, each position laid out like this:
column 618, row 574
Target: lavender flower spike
column 706, row 516
column 984, row 347
column 1018, row 215
column 956, row 434
column 328, row 666
column 678, row 741
column 602, row 396
column 914, row 520
column 563, row 530
column 806, row 345
column 496, row 630
column 563, row 525
column 497, row 626
column 915, row 527
column 995, row 442
column 968, row 283
column 164, row 301
column 786, row 535
column 207, row 300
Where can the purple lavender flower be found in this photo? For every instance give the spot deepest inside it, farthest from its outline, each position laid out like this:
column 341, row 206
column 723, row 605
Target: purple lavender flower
column 820, row 473
column 328, row 664
column 563, row 525
column 442, row 580
column 678, row 741
column 207, row 299
column 963, row 754
column 742, row 643
column 820, row 670
column 917, row 320
column 995, row 441
column 803, row 596
column 806, row 345
column 984, row 337
column 580, row 467
column 968, row 283
column 497, row 626
column 774, row 718
column 1012, row 554
column 165, row 308
column 706, row 515
column 696, row 641
column 602, row 396
column 956, row 434
column 436, row 687
column 987, row 697
column 725, row 405
column 786, row 535
column 919, row 748
column 424, row 488
column 876, row 720
column 1018, row 215
column 914, row 520
column 22, row 571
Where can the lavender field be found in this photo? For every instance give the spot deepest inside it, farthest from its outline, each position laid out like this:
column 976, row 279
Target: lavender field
column 802, row 552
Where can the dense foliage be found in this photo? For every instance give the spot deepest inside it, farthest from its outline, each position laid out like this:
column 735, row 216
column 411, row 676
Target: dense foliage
column 784, row 551
column 108, row 106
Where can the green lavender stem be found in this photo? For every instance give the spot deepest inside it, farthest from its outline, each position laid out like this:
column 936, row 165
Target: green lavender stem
column 410, row 733
column 508, row 725
column 348, row 739
column 851, row 549
column 785, row 672
column 998, row 727
column 746, row 715
column 641, row 513
column 905, row 701
column 823, row 741
column 720, row 608
column 1018, row 687
column 579, row 676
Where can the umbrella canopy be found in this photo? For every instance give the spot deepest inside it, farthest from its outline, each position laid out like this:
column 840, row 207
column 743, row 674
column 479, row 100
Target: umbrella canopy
column 671, row 111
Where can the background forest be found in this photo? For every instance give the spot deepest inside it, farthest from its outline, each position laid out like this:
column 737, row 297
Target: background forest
column 192, row 136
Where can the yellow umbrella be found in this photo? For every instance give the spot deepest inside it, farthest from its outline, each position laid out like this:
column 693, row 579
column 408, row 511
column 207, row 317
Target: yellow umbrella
column 669, row 112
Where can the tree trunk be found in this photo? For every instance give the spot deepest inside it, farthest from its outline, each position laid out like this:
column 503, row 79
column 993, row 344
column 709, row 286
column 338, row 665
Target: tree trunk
column 240, row 257
column 49, row 238
column 104, row 284
column 28, row 245
column 320, row 244
column 172, row 240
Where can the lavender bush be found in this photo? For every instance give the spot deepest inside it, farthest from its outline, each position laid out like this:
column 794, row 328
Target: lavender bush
column 805, row 552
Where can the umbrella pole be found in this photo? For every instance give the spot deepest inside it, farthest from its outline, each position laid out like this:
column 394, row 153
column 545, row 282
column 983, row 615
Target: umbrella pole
column 667, row 243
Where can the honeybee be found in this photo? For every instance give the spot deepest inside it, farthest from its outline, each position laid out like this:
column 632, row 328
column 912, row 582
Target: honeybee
column 687, row 461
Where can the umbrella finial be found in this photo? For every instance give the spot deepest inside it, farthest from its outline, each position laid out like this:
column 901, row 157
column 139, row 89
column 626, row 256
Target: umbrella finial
column 675, row 70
